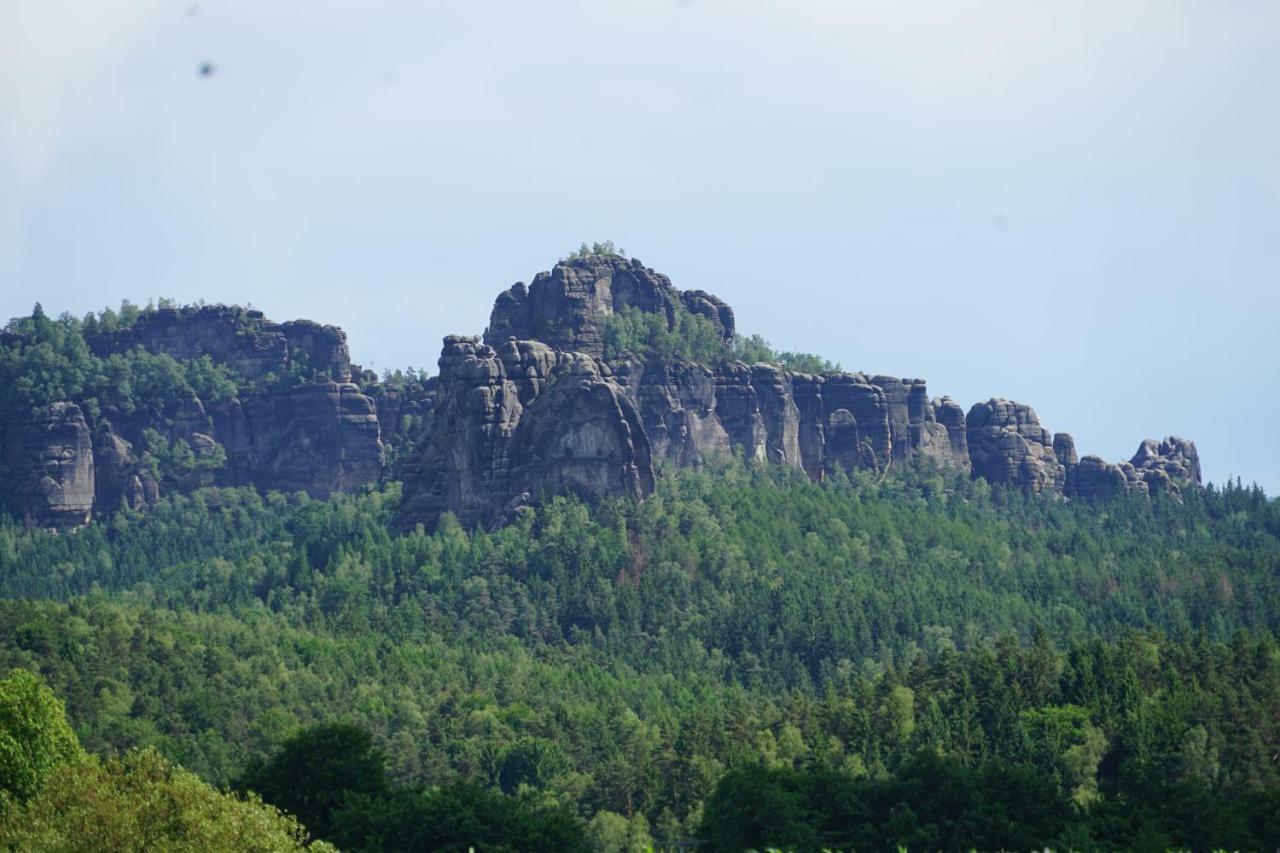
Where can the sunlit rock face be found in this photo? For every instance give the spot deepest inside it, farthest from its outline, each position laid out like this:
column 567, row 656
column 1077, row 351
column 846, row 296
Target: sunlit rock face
column 505, row 428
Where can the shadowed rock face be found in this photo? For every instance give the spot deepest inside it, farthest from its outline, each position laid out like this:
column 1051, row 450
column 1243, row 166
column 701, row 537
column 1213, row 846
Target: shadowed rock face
column 513, row 422
column 50, row 466
column 566, row 308
column 63, row 467
column 319, row 438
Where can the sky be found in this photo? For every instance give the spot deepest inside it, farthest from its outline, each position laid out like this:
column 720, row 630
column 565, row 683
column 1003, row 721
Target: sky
column 1073, row 205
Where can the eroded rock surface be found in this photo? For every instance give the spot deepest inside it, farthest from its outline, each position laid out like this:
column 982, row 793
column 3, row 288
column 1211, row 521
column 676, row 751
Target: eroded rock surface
column 513, row 422
column 566, row 307
column 241, row 338
column 296, row 423
column 49, row 466
column 534, row 408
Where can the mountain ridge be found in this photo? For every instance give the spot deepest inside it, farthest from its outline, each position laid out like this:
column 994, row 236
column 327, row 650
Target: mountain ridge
column 592, row 379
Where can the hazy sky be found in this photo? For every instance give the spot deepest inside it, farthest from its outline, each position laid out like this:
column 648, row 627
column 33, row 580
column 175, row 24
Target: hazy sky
column 1070, row 204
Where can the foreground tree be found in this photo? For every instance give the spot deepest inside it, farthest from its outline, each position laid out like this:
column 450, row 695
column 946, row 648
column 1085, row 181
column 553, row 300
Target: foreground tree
column 141, row 802
column 56, row 797
column 34, row 734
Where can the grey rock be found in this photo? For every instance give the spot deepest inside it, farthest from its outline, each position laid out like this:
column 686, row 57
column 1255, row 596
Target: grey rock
column 523, row 419
column 1008, row 445
column 49, row 457
column 119, row 479
column 240, row 338
column 566, row 307
column 319, row 438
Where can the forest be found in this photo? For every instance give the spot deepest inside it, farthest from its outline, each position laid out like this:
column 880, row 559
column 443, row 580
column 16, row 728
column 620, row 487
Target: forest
column 744, row 660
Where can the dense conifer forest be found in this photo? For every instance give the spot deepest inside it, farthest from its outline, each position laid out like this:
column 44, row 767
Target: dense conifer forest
column 746, row 659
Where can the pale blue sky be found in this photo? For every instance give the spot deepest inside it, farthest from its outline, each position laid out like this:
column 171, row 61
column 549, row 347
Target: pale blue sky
column 1070, row 204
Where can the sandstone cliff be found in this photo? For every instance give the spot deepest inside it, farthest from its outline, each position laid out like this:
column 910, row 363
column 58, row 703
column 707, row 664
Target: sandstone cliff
column 532, row 408
column 295, row 423
column 485, row 454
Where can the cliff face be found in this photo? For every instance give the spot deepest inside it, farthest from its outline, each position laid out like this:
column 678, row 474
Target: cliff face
column 62, row 466
column 49, row 464
column 240, row 338
column 532, row 408
column 512, row 422
column 482, row 462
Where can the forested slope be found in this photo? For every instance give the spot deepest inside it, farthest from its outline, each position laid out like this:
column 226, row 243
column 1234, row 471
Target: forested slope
column 627, row 660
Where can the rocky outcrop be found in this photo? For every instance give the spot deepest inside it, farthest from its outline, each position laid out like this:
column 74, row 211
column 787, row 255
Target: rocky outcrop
column 500, row 428
column 1176, row 458
column 1159, row 467
column 1007, row 445
column 535, row 408
column 320, row 438
column 49, row 467
column 566, row 307
column 512, row 422
column 295, row 423
column 120, row 479
column 676, row 413
column 240, row 338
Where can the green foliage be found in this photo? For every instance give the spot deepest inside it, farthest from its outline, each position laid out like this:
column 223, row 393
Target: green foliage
column 458, row 818
column 316, row 770
column 931, row 803
column 753, row 348
column 609, row 832
column 34, row 734
column 632, row 332
column 51, row 361
column 140, row 802
column 177, row 459
column 623, row 659
column 647, row 334
column 605, row 250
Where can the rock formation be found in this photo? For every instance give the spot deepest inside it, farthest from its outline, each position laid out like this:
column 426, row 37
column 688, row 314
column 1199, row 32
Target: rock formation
column 475, row 464
column 532, row 409
column 49, row 461
column 566, row 308
column 296, row 423
column 1007, row 445
column 512, row 422
column 240, row 338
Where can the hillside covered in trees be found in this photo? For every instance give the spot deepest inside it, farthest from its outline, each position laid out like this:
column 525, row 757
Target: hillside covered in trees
column 744, row 659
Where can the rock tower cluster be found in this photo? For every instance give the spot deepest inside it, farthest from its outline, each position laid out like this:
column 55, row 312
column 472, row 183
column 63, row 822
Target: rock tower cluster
column 532, row 407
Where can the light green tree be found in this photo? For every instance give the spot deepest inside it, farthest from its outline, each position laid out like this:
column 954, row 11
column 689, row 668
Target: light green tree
column 141, row 802
column 34, row 734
